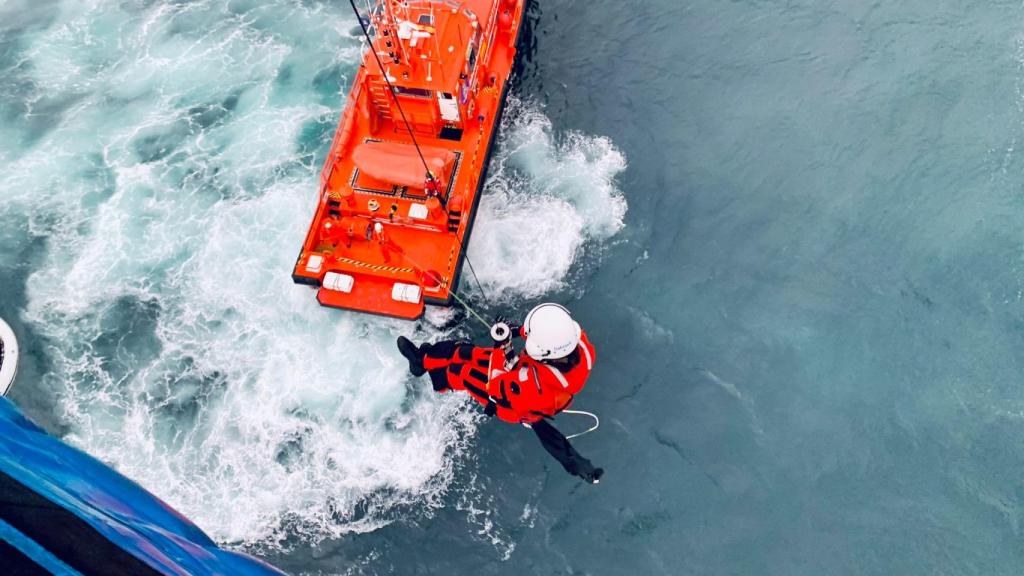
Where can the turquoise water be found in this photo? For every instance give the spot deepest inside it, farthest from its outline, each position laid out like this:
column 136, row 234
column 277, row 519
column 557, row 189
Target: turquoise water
column 792, row 228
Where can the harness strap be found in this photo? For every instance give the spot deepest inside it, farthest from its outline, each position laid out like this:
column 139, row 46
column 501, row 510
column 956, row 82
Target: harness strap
column 586, row 354
column 483, row 395
column 558, row 374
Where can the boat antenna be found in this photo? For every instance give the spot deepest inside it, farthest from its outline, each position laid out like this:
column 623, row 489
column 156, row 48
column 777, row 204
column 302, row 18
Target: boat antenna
column 391, row 90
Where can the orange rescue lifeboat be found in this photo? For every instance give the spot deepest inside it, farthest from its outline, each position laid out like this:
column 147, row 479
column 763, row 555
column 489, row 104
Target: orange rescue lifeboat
column 401, row 184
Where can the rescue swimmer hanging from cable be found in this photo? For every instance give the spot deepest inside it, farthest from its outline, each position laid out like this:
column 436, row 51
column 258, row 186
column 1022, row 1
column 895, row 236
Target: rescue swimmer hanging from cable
column 527, row 388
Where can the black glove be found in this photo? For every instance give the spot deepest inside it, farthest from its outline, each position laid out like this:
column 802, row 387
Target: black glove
column 515, row 329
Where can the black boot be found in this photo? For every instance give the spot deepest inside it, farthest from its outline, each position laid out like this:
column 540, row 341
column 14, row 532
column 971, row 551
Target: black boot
column 593, row 476
column 413, row 354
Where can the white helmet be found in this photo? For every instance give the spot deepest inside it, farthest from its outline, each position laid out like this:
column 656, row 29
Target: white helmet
column 551, row 333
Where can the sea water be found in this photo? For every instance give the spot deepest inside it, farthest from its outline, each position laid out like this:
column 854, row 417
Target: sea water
column 792, row 228
column 159, row 170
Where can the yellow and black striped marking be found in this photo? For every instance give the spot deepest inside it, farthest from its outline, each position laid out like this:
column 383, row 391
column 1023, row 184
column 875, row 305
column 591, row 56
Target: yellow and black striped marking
column 376, row 267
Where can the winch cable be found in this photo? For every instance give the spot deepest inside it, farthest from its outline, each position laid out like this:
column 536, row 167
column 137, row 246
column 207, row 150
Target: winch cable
column 391, row 90
column 437, row 278
column 484, row 323
column 479, row 286
column 597, row 422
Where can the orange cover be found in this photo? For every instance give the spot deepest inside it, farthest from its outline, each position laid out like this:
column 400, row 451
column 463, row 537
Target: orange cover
column 400, row 164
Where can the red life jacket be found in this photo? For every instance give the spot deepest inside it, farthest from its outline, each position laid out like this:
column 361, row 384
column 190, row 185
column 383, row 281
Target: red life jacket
column 536, row 389
column 554, row 387
column 530, row 391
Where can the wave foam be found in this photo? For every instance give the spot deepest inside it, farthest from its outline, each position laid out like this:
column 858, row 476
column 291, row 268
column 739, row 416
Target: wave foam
column 549, row 195
column 173, row 191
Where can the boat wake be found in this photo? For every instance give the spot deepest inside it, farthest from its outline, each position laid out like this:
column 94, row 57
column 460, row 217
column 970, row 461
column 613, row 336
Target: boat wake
column 168, row 188
column 550, row 195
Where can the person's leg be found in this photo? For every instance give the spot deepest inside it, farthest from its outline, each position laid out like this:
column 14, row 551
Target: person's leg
column 435, row 359
column 558, row 446
column 441, row 354
column 413, row 354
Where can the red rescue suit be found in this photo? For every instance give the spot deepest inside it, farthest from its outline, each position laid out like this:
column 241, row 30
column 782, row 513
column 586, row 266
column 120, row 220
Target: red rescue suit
column 528, row 392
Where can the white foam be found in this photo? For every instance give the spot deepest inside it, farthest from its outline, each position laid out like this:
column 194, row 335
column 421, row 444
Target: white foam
column 186, row 356
column 548, row 197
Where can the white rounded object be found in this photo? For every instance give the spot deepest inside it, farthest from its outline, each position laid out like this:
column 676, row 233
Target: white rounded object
column 8, row 357
column 406, row 293
column 500, row 332
column 551, row 333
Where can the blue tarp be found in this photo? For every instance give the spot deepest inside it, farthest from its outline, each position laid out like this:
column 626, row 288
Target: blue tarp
column 120, row 510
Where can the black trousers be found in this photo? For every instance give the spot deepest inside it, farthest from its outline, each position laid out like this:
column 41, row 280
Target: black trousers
column 558, row 446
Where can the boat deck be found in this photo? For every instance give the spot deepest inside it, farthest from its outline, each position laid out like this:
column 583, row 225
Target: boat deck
column 386, row 248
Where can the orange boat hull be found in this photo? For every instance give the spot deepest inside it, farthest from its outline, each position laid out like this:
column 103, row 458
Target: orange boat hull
column 378, row 242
